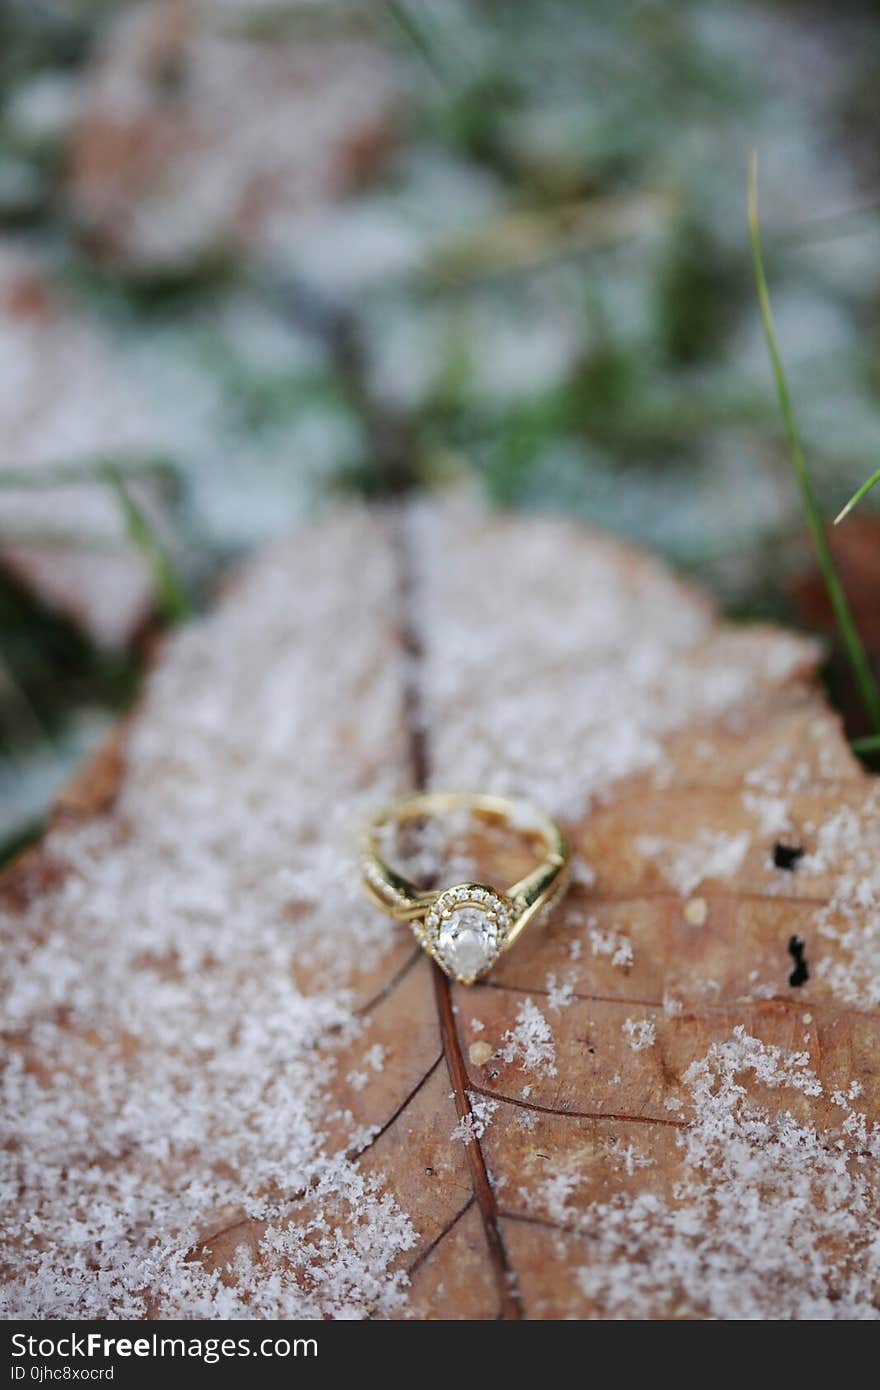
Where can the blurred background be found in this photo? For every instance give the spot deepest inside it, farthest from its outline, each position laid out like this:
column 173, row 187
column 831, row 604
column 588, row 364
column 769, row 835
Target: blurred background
column 259, row 254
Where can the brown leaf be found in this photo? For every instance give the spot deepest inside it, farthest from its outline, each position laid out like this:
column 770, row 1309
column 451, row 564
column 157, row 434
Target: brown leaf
column 233, row 1088
column 855, row 546
column 66, row 403
column 196, row 141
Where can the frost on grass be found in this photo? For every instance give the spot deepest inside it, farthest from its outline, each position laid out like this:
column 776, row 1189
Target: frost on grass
column 640, row 1033
column 160, row 1076
column 772, row 1217
column 709, row 854
column 530, row 1041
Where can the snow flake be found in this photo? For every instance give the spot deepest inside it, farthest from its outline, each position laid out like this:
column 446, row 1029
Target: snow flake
column 182, row 1072
column 472, row 1126
column 708, row 854
column 530, row 1042
column 560, row 995
column 611, row 943
column 763, row 1200
column 641, row 1033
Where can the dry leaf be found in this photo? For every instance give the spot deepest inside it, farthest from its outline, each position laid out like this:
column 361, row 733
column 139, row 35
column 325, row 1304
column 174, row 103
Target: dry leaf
column 856, row 550
column 196, row 140
column 233, row 1089
column 66, row 403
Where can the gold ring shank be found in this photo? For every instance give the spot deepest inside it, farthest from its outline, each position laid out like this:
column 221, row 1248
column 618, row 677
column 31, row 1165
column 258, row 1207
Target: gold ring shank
column 397, row 896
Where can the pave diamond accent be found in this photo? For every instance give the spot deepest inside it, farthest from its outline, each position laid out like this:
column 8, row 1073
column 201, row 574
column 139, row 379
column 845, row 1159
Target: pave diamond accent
column 466, row 929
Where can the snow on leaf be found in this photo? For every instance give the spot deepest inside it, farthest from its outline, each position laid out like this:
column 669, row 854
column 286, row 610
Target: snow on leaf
column 530, row 1042
column 194, row 986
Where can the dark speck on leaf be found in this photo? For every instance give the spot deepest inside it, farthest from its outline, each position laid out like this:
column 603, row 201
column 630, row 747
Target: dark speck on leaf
column 801, row 972
column 787, row 856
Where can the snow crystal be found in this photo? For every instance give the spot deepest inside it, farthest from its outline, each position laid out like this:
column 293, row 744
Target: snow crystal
column 627, row 1157
column 771, row 1218
column 640, row 1033
column 472, row 1126
column 559, row 994
column 847, row 851
column 709, row 854
column 582, row 873
column 530, row 1042
column 375, row 1057
column 629, row 666
column 163, row 1065
column 611, row 943
column 771, row 812
column 166, row 1075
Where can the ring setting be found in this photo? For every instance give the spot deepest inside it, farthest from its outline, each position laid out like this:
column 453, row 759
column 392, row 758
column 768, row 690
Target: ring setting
column 466, row 929
column 467, row 926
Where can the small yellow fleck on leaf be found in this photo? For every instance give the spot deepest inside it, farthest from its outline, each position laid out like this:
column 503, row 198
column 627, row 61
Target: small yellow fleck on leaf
column 696, row 910
column 480, row 1052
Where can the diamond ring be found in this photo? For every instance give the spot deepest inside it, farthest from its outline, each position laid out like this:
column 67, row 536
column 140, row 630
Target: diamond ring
column 465, row 927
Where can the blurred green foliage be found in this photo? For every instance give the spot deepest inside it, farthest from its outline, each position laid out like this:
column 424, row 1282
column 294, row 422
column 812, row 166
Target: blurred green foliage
column 572, row 325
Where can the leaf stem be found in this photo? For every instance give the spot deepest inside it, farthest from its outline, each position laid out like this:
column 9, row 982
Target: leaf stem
column 849, row 633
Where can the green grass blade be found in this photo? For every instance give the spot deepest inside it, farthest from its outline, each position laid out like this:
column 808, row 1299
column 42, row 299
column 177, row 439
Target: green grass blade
column 173, row 602
column 857, row 497
column 849, row 633
column 870, row 744
column 415, row 32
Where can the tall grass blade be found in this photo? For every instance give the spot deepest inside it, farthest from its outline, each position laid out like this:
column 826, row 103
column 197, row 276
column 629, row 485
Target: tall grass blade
column 173, row 602
column 857, row 497
column 849, row 633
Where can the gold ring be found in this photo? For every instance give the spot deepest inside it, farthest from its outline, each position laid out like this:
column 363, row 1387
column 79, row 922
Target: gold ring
column 465, row 927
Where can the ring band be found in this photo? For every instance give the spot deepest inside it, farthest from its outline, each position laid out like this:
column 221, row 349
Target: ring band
column 465, row 927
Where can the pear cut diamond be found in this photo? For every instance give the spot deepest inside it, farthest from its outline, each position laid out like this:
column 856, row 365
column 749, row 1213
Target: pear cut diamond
column 467, row 943
column 466, row 929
